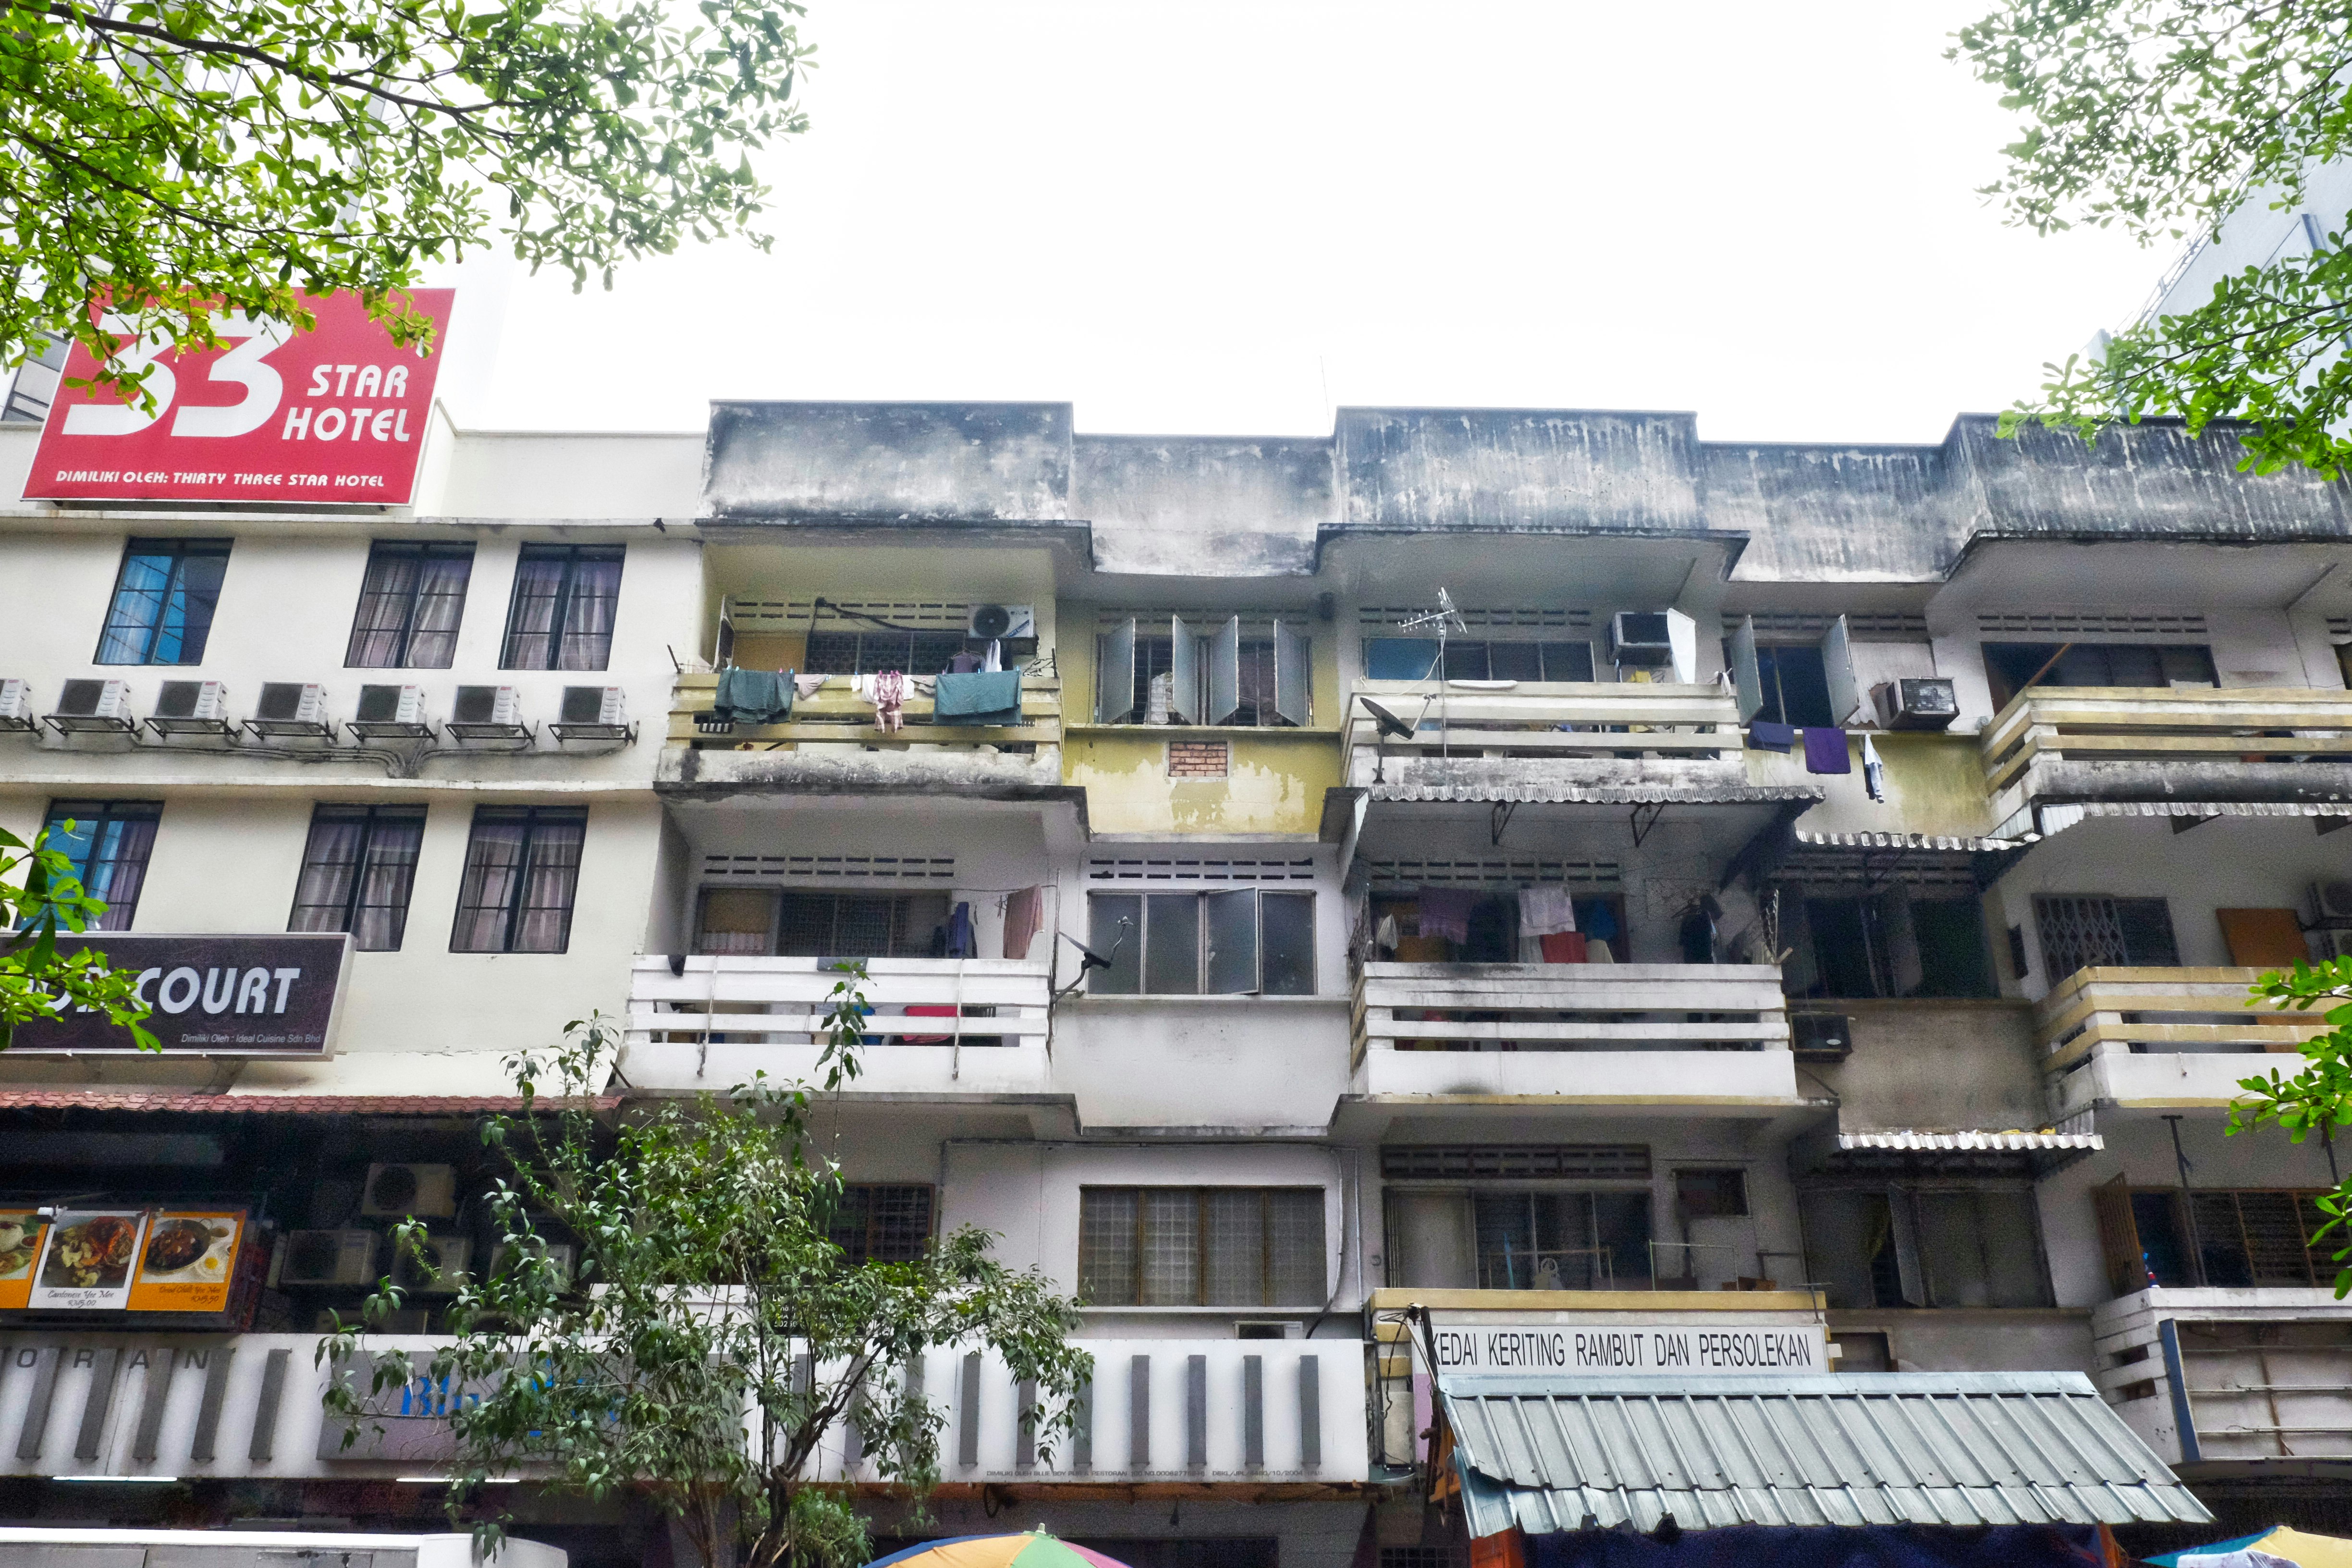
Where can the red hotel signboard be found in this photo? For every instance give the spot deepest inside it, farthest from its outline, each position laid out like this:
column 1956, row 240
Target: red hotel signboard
column 333, row 415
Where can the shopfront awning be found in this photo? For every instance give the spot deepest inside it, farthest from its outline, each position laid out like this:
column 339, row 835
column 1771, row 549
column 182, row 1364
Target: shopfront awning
column 1554, row 1452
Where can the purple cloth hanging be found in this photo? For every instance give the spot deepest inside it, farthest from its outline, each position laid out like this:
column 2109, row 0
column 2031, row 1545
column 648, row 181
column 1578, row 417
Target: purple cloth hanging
column 1825, row 751
column 1445, row 911
column 1768, row 737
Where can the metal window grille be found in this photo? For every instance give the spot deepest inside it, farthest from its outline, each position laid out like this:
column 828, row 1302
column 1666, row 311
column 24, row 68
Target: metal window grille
column 858, row 925
column 1206, row 1247
column 2080, row 931
column 880, row 1224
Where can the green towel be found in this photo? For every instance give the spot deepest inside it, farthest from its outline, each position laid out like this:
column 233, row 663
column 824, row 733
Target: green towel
column 753, row 696
column 990, row 696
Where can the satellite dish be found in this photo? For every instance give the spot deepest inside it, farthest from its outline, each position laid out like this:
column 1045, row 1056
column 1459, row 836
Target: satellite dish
column 1089, row 957
column 991, row 621
column 1390, row 725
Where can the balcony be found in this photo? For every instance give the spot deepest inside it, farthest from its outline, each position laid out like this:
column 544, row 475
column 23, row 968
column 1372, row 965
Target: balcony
column 2133, row 743
column 2174, row 1039
column 940, row 1026
column 197, row 1407
column 832, row 745
column 1637, row 1034
column 2208, row 1375
column 1496, row 731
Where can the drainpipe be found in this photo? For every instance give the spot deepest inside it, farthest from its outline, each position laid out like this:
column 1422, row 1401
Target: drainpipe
column 2188, row 1208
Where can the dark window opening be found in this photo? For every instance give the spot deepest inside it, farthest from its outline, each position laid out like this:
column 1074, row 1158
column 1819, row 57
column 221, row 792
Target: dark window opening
column 523, row 871
column 358, row 869
column 1796, row 686
column 164, row 597
column 410, row 605
column 1492, row 931
column 2082, row 930
column 1711, row 1194
column 1561, row 1241
column 2010, row 665
column 108, row 845
column 566, row 596
column 1235, row 942
column 1943, row 1246
column 1890, row 944
column 1416, row 658
column 874, row 1224
column 1201, row 1247
column 2241, row 1239
column 856, row 925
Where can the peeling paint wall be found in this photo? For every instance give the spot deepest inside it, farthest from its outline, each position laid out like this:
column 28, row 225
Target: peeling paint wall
column 982, row 462
column 1934, row 785
column 1198, row 506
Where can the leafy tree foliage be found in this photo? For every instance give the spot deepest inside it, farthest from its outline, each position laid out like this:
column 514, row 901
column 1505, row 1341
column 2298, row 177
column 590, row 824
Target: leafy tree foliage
column 2319, row 1098
column 185, row 159
column 714, row 1334
column 2164, row 118
column 39, row 895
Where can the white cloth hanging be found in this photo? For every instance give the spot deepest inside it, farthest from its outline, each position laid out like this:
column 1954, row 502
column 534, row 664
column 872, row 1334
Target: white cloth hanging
column 992, row 660
column 1873, row 771
column 1546, row 910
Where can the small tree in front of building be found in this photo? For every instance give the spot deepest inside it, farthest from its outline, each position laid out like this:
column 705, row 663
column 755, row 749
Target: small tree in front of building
column 40, row 897
column 2319, row 1098
column 713, row 1333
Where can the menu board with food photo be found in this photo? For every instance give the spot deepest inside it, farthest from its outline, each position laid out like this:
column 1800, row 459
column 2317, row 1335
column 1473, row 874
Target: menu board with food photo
column 20, row 1248
column 87, row 1264
column 188, row 1260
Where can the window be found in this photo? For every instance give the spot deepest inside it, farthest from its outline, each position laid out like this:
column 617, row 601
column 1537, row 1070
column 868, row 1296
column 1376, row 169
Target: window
column 523, row 869
column 1809, row 685
column 2082, row 930
column 1492, row 928
column 859, row 925
column 1796, row 687
column 562, row 617
column 163, row 601
column 2008, row 666
column 1201, row 1247
column 108, row 844
column 409, row 604
column 1561, row 1241
column 1893, row 943
column 866, row 652
column 357, row 871
column 881, row 1224
column 1416, row 658
column 1925, row 1246
column 1203, row 677
column 1238, row 942
column 2240, row 1239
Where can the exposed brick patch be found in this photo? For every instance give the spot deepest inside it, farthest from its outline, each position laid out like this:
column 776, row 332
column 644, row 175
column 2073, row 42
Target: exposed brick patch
column 1197, row 759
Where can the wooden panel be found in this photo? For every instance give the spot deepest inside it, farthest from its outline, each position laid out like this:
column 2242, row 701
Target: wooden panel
column 2264, row 939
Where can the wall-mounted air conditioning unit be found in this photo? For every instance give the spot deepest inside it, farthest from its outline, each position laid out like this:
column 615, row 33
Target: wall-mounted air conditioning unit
column 1641, row 640
column 2332, row 902
column 440, row 1272
column 391, row 713
column 593, row 713
column 561, row 1254
column 192, row 708
column 399, row 1192
column 329, row 1257
column 16, row 705
column 488, row 713
column 93, row 707
column 1923, row 704
column 1821, row 1037
column 288, row 710
column 990, row 622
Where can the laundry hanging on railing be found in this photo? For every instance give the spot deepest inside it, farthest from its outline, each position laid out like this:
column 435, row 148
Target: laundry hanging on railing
column 1024, row 911
column 1768, row 737
column 753, row 696
column 992, row 697
column 1873, row 771
column 888, row 691
column 1825, row 751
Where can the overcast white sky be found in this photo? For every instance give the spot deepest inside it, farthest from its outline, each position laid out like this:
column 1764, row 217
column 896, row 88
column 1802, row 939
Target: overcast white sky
column 1228, row 217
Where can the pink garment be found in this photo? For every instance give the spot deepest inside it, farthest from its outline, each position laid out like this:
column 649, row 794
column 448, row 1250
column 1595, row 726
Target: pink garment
column 807, row 686
column 890, row 700
column 1024, row 912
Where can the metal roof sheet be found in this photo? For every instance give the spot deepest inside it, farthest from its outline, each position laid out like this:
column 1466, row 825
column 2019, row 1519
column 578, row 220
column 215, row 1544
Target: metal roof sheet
column 1529, row 793
column 1953, row 1448
column 1912, row 1138
column 1945, row 843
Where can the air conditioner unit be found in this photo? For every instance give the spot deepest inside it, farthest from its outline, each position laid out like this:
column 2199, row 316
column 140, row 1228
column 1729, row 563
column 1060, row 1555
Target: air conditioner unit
column 1922, row 704
column 16, row 705
column 93, row 707
column 399, row 1192
column 562, row 1255
column 1821, row 1037
column 1640, row 639
column 290, row 710
column 592, row 713
column 2332, row 901
column 191, row 708
column 488, row 713
column 391, row 713
column 329, row 1257
column 990, row 622
column 2336, row 943
column 441, row 1270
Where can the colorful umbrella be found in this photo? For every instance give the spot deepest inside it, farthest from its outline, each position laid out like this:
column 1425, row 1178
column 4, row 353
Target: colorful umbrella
column 1030, row 1549
column 2276, row 1544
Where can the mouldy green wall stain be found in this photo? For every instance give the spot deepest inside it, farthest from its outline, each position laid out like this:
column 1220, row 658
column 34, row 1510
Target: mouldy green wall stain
column 1934, row 785
column 1274, row 785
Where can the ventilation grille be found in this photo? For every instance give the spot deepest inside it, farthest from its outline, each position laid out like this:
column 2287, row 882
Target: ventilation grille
column 1383, row 619
column 1919, row 871
column 1200, row 868
column 2066, row 621
column 1201, row 621
column 831, row 867
column 1571, row 1161
column 1892, row 625
column 792, row 615
column 1396, row 875
column 2339, row 626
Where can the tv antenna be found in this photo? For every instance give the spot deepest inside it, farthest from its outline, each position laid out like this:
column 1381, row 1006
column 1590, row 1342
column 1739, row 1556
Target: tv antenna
column 1446, row 620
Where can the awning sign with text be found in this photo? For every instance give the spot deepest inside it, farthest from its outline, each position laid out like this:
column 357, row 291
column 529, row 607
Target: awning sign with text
column 333, row 415
column 217, row 995
column 1704, row 1349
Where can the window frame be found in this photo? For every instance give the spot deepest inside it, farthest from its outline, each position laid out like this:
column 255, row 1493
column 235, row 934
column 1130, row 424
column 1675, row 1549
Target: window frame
column 1206, row 955
column 372, row 818
column 422, row 550
column 2126, row 911
column 573, row 556
column 1905, row 1250
column 1204, row 1268
column 1271, row 674
column 534, row 818
column 99, row 815
column 194, row 636
column 865, row 1252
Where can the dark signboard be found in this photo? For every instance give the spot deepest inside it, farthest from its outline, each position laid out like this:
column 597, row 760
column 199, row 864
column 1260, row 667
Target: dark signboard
column 213, row 995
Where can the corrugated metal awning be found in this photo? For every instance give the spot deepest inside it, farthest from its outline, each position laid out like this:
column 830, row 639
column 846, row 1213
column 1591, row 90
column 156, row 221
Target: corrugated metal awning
column 1547, row 793
column 1948, row 844
column 2057, row 818
column 1907, row 1138
column 1954, row 1448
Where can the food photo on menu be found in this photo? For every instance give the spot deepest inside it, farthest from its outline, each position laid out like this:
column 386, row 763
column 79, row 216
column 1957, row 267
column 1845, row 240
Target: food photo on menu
column 186, row 1263
column 87, row 1260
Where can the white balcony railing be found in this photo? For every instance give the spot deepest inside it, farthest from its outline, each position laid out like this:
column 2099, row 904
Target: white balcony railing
column 936, row 1025
column 193, row 1407
column 1574, row 1030
column 2178, row 1036
column 1492, row 718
